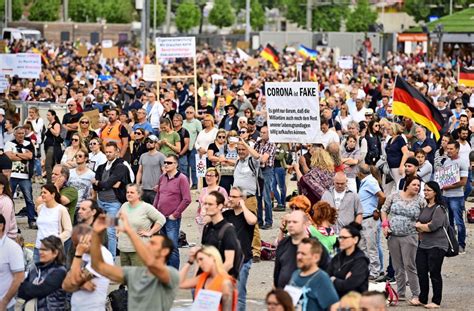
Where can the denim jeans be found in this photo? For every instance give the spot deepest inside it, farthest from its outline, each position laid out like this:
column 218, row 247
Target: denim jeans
column 27, row 190
column 192, row 166
column 468, row 187
column 242, row 285
column 111, row 209
column 38, row 170
column 456, row 216
column 183, row 165
column 266, row 203
column 279, row 176
column 171, row 230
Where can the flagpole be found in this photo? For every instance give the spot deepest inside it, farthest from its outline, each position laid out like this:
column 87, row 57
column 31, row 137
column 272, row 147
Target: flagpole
column 459, row 70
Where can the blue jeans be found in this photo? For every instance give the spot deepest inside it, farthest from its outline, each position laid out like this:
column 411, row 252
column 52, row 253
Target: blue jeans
column 456, row 215
column 171, row 230
column 242, row 285
column 192, row 165
column 27, row 190
column 111, row 209
column 267, row 173
column 468, row 187
column 183, row 165
column 279, row 176
column 38, row 170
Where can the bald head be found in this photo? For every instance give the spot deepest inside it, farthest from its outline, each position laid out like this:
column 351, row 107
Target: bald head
column 364, row 169
column 373, row 301
column 296, row 223
column 340, row 182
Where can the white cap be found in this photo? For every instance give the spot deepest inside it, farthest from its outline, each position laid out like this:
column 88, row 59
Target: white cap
column 2, row 111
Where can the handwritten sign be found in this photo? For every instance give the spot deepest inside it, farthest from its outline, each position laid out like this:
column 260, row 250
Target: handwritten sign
column 201, row 165
column 446, row 176
column 206, row 300
column 24, row 65
column 151, row 73
column 345, row 62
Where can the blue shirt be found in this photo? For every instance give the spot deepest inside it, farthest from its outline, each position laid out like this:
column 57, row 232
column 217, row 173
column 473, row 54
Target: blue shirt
column 146, row 126
column 369, row 186
column 318, row 290
column 422, row 144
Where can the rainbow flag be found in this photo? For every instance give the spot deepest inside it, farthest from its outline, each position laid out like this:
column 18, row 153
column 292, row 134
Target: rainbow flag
column 307, row 52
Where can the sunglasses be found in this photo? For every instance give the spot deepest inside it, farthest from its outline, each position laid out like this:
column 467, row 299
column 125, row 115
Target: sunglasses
column 242, row 132
column 74, row 139
column 79, row 156
column 223, row 137
column 210, row 175
column 150, row 142
column 84, row 122
column 93, row 144
column 169, row 163
column 70, row 105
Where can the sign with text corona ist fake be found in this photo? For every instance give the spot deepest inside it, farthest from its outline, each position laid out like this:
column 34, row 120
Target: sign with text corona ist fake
column 175, row 47
column 293, row 111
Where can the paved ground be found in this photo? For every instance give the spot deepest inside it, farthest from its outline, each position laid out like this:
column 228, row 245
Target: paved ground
column 457, row 272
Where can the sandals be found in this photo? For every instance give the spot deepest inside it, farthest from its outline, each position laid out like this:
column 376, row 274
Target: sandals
column 432, row 306
column 414, row 302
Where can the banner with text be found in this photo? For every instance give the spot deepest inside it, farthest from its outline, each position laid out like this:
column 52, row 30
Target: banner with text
column 24, row 65
column 178, row 47
column 446, row 176
column 293, row 112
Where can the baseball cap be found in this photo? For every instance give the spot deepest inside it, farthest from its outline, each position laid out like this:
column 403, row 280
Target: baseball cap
column 152, row 138
column 2, row 111
column 241, row 93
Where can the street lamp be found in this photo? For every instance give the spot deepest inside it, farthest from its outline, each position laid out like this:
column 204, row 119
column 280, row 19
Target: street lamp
column 439, row 32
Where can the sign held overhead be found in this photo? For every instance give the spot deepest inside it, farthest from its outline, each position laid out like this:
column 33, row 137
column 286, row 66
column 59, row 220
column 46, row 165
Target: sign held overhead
column 175, row 47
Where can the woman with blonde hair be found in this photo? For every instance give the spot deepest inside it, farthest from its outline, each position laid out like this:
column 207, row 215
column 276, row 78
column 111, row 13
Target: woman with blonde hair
column 319, row 178
column 397, row 152
column 77, row 143
column 206, row 136
column 213, row 277
column 96, row 154
column 85, row 130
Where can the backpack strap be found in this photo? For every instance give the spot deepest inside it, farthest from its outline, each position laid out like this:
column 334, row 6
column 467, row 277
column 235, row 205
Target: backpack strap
column 220, row 234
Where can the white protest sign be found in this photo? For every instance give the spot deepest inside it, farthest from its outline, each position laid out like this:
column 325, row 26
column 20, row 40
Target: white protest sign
column 3, row 83
column 206, row 300
column 294, row 292
column 24, row 65
column 151, row 73
column 201, row 165
column 177, row 47
column 107, row 44
column 345, row 62
column 293, row 112
column 446, row 176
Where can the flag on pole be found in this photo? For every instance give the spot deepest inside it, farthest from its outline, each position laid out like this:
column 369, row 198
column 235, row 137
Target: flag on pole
column 466, row 76
column 269, row 53
column 242, row 55
column 411, row 103
column 307, row 52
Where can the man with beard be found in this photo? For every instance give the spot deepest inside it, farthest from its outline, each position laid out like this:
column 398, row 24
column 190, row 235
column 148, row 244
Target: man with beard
column 464, row 150
column 115, row 132
column 149, row 171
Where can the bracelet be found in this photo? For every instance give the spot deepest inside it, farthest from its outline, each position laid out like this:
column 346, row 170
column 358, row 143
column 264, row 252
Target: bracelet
column 77, row 256
column 385, row 224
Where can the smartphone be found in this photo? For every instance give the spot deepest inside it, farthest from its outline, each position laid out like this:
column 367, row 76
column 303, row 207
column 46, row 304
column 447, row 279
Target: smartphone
column 112, row 221
column 233, row 139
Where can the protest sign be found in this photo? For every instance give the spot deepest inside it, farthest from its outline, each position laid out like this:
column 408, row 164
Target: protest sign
column 82, row 51
column 207, row 300
column 446, row 176
column 293, row 112
column 252, row 62
column 3, row 83
column 345, row 62
column 3, row 46
column 24, row 65
column 151, row 73
column 177, row 47
column 201, row 165
column 107, row 44
column 112, row 52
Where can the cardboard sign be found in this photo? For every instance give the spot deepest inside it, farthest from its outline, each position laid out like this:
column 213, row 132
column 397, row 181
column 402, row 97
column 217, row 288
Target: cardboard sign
column 93, row 116
column 345, row 62
column 176, row 47
column 151, row 73
column 293, row 112
column 112, row 52
column 244, row 45
column 82, row 51
column 446, row 176
column 253, row 62
column 3, row 46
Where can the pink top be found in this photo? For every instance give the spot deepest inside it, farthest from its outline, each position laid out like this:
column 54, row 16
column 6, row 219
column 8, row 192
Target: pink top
column 204, row 192
column 8, row 211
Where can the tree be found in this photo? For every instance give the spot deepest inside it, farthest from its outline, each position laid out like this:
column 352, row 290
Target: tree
column 187, row 16
column 325, row 18
column 117, row 11
column 222, row 14
column 361, row 17
column 421, row 9
column 160, row 12
column 44, row 10
column 418, row 9
column 84, row 10
column 17, row 9
column 257, row 15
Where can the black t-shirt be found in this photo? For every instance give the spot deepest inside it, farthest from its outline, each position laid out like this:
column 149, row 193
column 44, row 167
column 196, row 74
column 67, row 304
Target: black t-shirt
column 69, row 119
column 183, row 133
column 210, row 236
column 285, row 262
column 205, row 110
column 244, row 231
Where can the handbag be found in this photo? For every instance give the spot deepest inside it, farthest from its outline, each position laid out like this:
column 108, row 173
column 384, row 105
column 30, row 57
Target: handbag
column 453, row 245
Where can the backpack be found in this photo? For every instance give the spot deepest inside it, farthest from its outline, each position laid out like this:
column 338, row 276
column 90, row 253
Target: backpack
column 239, row 254
column 118, row 299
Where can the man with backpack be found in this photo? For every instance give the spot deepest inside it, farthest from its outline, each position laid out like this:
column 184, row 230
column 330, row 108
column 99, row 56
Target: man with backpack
column 244, row 222
column 246, row 177
column 222, row 234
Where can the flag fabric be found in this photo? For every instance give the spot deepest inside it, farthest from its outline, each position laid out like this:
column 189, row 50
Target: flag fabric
column 307, row 52
column 43, row 57
column 411, row 103
column 269, row 53
column 242, row 55
column 466, row 76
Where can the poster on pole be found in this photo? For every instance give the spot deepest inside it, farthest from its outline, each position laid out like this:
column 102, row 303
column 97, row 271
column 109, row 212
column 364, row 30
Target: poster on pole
column 24, row 65
column 293, row 112
column 201, row 165
column 175, row 47
column 151, row 73
column 345, row 62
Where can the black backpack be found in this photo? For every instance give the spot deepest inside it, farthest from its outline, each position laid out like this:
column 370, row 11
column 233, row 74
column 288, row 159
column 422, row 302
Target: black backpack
column 118, row 299
column 239, row 254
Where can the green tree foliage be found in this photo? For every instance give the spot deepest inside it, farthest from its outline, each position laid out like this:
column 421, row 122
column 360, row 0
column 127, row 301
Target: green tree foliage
column 222, row 14
column 421, row 9
column 240, row 4
column 325, row 18
column 17, row 9
column 187, row 16
column 361, row 17
column 160, row 12
column 418, row 9
column 117, row 11
column 44, row 10
column 257, row 15
column 84, row 10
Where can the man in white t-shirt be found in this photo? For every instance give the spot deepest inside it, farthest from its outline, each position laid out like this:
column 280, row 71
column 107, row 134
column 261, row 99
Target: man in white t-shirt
column 327, row 135
column 89, row 288
column 12, row 269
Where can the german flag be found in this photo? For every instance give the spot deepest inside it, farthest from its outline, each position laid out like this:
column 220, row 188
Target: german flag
column 410, row 103
column 270, row 54
column 466, row 76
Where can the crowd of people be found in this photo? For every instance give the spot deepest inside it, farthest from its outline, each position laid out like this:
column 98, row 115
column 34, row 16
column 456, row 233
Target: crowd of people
column 113, row 190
